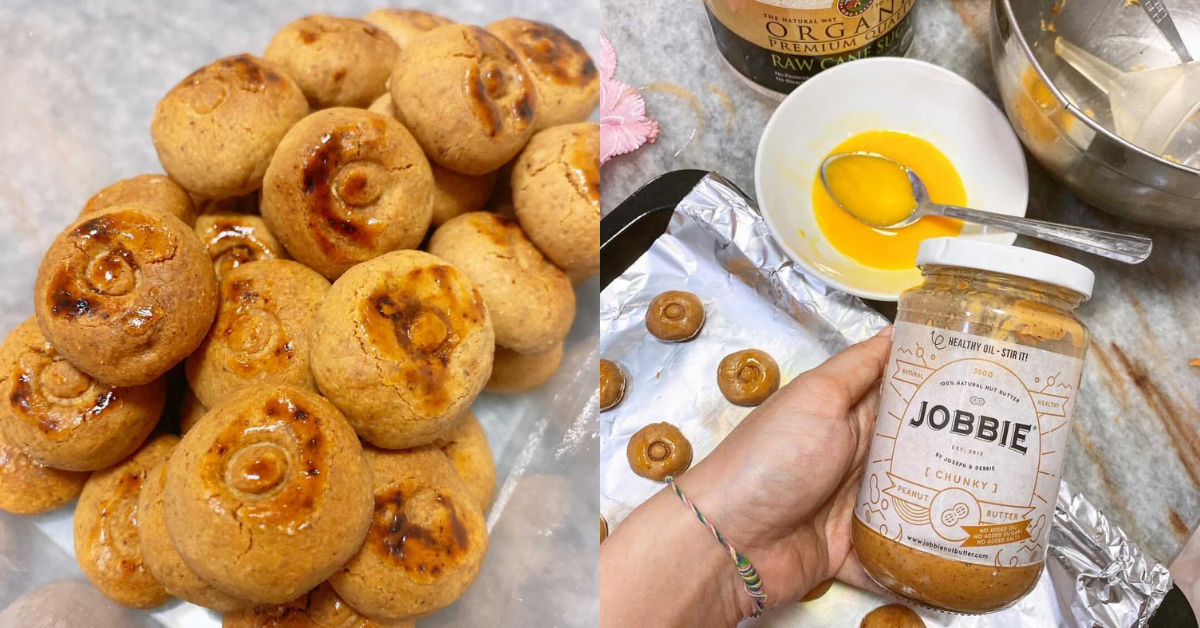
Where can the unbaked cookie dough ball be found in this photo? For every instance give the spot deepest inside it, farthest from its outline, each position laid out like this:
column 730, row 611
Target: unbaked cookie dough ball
column 287, row 462
column 403, row 345
column 556, row 192
column 405, row 25
column 216, row 130
column 531, row 302
column 426, row 543
column 337, row 61
column 107, row 544
column 612, row 384
column 675, row 316
column 262, row 332
column 28, row 487
column 466, row 446
column 61, row 417
column 466, row 98
column 235, row 239
column 514, row 372
column 659, row 450
column 563, row 71
column 748, row 377
column 892, row 616
column 345, row 186
column 160, row 557
column 146, row 190
column 190, row 411
column 319, row 608
column 125, row 294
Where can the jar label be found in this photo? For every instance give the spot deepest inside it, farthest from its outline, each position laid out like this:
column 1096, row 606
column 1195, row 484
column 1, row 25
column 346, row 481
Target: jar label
column 969, row 446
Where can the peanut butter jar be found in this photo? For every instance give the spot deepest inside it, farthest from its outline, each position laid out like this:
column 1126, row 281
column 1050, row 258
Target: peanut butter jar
column 958, row 491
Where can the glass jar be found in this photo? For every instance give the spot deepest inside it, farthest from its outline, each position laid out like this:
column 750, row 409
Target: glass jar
column 958, row 490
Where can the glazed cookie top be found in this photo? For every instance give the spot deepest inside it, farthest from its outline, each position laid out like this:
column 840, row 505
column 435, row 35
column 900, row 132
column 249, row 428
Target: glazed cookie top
column 337, row 61
column 319, row 608
column 345, row 186
column 125, row 294
column 566, row 77
column 216, row 130
column 405, row 25
column 235, row 239
column 148, row 190
column 531, row 301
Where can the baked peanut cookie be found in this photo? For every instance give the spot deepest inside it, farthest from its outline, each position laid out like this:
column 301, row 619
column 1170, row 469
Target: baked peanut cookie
column 466, row 98
column 531, row 301
column 216, row 130
column 402, row 344
column 190, row 411
column 455, row 194
column 262, row 332
column 556, row 192
column 383, row 106
column 319, row 608
column 405, row 25
column 337, row 61
column 426, row 543
column 145, row 190
column 514, row 372
column 345, row 186
column 125, row 294
column 567, row 82
column 107, row 544
column 28, row 487
column 285, row 460
column 61, row 417
column 235, row 239
column 466, row 446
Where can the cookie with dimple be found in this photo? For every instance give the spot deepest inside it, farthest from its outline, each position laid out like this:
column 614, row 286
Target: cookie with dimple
column 556, row 192
column 288, row 464
column 336, row 61
column 28, row 487
column 147, row 190
column 427, row 540
column 403, row 345
column 466, row 98
column 319, row 608
column 563, row 71
column 531, row 301
column 659, row 450
column 466, row 446
column 216, row 130
column 514, row 372
column 235, row 239
column 190, row 411
column 405, row 25
column 160, row 557
column 107, row 544
column 63, row 418
column 612, row 384
column 262, row 332
column 345, row 186
column 125, row 294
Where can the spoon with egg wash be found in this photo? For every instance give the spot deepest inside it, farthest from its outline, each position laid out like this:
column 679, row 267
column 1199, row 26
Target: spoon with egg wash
column 886, row 194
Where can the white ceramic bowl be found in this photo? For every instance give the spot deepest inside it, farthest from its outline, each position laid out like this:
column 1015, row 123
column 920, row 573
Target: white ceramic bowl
column 888, row 94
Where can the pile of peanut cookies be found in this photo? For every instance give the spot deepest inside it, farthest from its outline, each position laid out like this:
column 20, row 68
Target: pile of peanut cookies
column 357, row 234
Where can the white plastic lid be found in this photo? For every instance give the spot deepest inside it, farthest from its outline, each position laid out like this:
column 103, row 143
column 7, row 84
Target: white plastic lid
column 1009, row 260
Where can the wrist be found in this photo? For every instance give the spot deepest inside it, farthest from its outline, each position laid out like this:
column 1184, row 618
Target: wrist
column 708, row 495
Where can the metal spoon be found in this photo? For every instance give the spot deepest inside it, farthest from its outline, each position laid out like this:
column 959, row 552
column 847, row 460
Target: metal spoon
column 1125, row 247
column 1156, row 10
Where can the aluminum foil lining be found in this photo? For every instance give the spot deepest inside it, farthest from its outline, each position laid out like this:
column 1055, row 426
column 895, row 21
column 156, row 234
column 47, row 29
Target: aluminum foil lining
column 718, row 247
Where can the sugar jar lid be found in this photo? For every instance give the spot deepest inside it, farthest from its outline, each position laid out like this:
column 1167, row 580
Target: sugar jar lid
column 1009, row 260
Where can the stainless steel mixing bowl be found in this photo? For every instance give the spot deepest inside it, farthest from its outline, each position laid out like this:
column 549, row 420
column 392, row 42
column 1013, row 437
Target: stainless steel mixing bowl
column 1093, row 162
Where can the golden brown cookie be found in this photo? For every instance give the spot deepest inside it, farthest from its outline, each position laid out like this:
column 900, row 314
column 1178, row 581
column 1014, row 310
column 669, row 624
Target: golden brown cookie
column 892, row 616
column 160, row 557
column 659, row 450
column 531, row 301
column 244, row 204
column 345, row 186
column 383, row 106
column 190, row 411
column 107, row 545
column 405, row 25
column 603, row 529
column 61, row 417
column 466, row 98
column 466, row 446
column 514, row 372
column 216, row 130
column 675, row 316
column 336, row 61
column 426, row 543
column 235, row 239
column 748, row 377
column 556, row 193
column 319, row 608
column 287, row 462
column 145, row 190
column 125, row 294
column 612, row 384
column 262, row 332
column 403, row 345
column 563, row 71
column 28, row 487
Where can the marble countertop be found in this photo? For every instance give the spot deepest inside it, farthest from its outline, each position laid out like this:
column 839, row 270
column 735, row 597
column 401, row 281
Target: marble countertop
column 1135, row 447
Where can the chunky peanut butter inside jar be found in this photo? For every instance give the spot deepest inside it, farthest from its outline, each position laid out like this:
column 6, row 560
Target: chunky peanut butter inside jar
column 958, row 490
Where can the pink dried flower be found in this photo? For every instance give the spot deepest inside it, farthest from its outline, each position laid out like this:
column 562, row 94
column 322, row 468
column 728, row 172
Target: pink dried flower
column 624, row 126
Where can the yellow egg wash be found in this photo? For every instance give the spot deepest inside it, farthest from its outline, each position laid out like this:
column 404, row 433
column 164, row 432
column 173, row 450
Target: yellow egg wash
column 886, row 201
column 882, row 248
